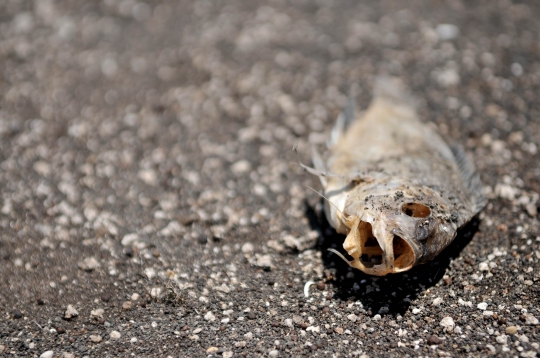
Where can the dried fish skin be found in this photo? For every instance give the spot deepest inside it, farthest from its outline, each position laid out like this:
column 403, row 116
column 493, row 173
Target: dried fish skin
column 394, row 186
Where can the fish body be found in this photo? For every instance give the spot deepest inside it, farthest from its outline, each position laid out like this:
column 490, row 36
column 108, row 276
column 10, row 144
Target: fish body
column 394, row 186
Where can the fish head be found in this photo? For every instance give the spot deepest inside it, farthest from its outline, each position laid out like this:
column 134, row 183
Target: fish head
column 391, row 233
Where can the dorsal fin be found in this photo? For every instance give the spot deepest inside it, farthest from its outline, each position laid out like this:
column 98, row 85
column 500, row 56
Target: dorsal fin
column 470, row 177
column 343, row 121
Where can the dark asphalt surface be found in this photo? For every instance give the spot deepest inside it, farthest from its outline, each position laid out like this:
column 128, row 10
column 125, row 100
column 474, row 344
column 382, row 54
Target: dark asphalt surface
column 151, row 206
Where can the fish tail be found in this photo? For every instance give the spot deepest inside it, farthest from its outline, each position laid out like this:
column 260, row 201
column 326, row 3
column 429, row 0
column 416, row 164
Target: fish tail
column 394, row 90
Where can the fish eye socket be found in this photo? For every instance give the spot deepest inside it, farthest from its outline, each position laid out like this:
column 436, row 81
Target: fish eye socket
column 416, row 210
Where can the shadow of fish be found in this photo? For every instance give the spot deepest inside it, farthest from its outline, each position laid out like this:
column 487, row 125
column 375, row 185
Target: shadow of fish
column 393, row 185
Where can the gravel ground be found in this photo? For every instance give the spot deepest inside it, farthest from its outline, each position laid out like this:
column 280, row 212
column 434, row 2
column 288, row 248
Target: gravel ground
column 150, row 201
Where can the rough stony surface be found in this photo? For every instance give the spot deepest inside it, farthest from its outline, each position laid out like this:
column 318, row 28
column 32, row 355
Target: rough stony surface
column 147, row 177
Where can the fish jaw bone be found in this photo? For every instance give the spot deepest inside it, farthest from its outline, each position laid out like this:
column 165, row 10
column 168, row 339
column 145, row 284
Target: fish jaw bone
column 375, row 247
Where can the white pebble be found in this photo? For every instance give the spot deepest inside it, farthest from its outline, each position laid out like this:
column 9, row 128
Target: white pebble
column 247, row 248
column 148, row 176
column 517, row 69
column 95, row 338
column 150, row 272
column 129, row 239
column 89, row 264
column 241, row 167
column 501, row 339
column 447, row 31
column 447, row 322
column 70, row 312
column 47, row 354
column 447, row 77
column 530, row 319
column 115, row 335
column 97, row 312
column 482, row 306
column 210, row 316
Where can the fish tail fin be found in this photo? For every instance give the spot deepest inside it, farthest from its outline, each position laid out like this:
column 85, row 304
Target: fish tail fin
column 393, row 90
column 343, row 121
column 471, row 178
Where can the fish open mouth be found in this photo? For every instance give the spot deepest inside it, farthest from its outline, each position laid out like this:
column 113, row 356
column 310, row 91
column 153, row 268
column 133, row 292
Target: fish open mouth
column 372, row 253
column 371, row 258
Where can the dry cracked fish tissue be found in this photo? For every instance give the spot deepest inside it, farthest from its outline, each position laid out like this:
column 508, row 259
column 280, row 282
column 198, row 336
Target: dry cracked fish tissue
column 393, row 185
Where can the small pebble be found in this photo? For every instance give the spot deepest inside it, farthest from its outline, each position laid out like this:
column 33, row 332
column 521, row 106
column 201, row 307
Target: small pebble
column 447, row 323
column 95, row 338
column 482, row 305
column 127, row 305
column 89, row 264
column 502, row 339
column 448, row 281
column 531, row 320
column 241, row 167
column 447, row 31
column 47, row 354
column 212, row 350
column 97, row 312
column 115, row 335
column 433, row 340
column 247, row 248
column 511, row 330
column 17, row 314
column 70, row 312
column 321, row 286
column 352, row 317
column 210, row 316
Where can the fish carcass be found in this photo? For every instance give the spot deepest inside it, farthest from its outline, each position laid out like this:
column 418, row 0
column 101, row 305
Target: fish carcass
column 393, row 185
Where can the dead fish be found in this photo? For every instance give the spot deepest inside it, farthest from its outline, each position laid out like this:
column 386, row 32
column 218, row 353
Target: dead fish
column 393, row 185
